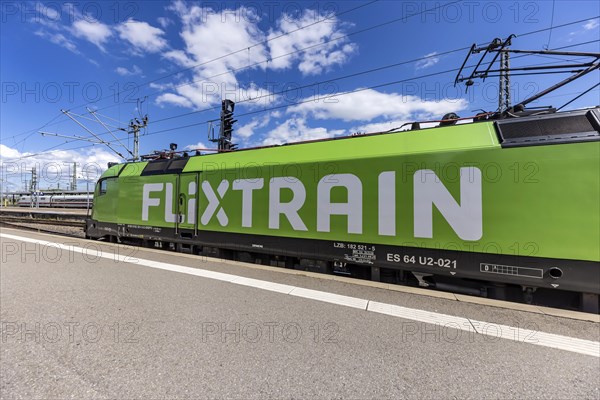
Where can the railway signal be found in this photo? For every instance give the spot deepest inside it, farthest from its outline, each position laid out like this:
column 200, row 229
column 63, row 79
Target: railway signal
column 223, row 141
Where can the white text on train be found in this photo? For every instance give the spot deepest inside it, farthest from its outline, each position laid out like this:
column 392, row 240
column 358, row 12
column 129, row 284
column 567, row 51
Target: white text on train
column 463, row 216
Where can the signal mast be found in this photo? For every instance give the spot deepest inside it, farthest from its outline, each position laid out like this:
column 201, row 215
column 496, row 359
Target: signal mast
column 223, row 141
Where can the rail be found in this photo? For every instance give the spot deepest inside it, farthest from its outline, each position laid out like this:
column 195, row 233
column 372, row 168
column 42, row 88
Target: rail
column 48, row 217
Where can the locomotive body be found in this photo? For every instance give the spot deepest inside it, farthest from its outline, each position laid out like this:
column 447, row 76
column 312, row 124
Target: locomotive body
column 506, row 202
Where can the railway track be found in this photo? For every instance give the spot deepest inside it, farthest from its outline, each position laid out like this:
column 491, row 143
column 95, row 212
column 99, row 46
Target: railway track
column 62, row 230
column 44, row 217
column 29, row 220
column 51, row 221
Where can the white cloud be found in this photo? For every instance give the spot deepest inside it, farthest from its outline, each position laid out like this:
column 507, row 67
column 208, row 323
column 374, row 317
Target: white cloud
column 175, row 99
column 164, row 22
column 180, row 8
column 591, row 24
column 123, row 71
column 249, row 129
column 83, row 27
column 369, row 104
column 219, row 45
column 63, row 41
column 46, row 16
column 160, row 86
column 142, row 36
column 54, row 167
column 209, row 35
column 58, row 39
column 179, row 57
column 295, row 130
column 93, row 31
column 429, row 61
column 257, row 97
column 7, row 153
column 199, row 145
column 315, row 59
column 48, row 11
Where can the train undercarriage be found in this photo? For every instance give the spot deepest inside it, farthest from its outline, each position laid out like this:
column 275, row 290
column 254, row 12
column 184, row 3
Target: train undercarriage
column 566, row 286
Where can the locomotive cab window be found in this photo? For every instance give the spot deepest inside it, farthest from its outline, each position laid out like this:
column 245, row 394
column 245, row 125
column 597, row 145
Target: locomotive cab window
column 103, row 185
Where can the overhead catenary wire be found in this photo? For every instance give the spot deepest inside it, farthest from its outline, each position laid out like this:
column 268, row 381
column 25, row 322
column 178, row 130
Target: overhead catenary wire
column 558, row 26
column 318, row 83
column 551, row 25
column 32, row 132
column 303, row 49
column 301, row 102
column 53, row 148
column 339, row 94
column 211, row 61
column 577, row 97
column 181, row 70
column 312, row 99
column 319, row 44
column 247, row 48
column 254, row 112
column 269, row 59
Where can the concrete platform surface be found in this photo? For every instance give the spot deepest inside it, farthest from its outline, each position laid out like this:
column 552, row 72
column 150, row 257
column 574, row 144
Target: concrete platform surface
column 91, row 320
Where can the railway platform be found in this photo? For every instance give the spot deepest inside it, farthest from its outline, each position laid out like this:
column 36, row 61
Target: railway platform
column 99, row 320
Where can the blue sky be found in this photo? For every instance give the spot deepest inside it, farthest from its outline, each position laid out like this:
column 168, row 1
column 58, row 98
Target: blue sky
column 179, row 58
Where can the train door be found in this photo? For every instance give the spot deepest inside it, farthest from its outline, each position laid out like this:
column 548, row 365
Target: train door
column 187, row 205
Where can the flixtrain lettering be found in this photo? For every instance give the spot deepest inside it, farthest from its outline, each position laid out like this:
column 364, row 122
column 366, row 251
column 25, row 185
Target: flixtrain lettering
column 464, row 216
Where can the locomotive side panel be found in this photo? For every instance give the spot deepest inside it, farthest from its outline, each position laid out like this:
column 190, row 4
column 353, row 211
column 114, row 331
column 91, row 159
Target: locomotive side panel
column 478, row 201
column 470, row 208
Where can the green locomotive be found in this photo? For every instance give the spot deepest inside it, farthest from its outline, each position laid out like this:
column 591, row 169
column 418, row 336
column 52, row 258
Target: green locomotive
column 501, row 206
column 512, row 201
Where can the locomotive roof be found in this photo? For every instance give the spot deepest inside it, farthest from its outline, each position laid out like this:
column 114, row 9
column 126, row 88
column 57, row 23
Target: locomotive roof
column 545, row 128
column 443, row 139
